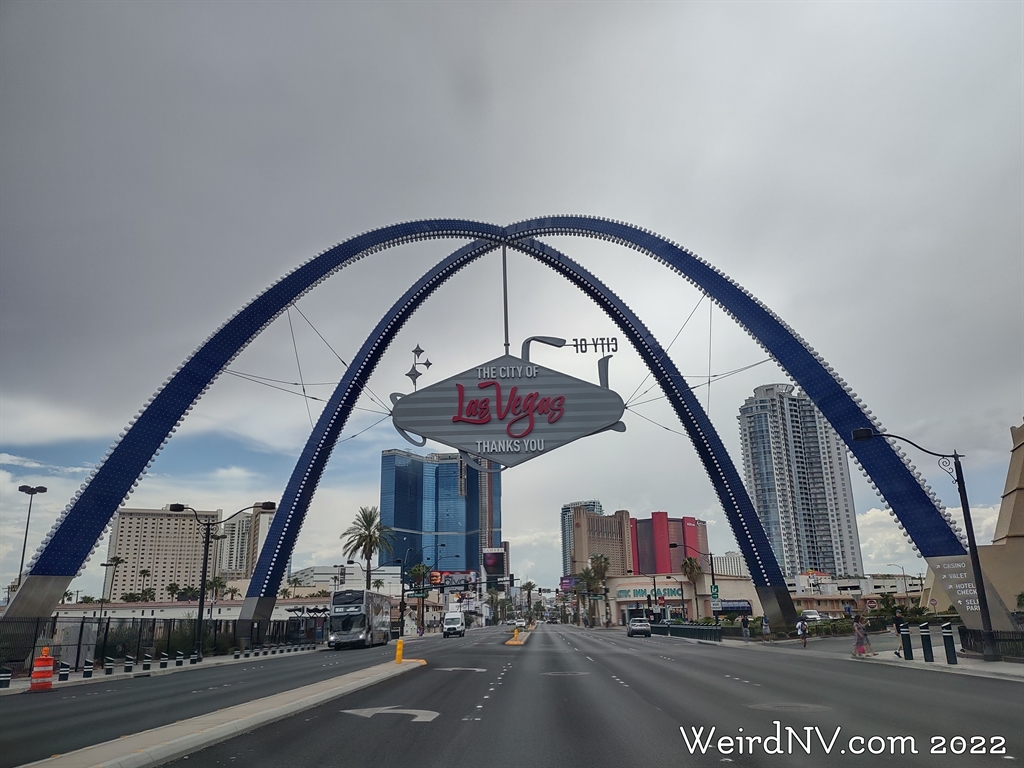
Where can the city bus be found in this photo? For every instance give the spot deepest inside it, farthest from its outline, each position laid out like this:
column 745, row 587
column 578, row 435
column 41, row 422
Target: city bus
column 359, row 618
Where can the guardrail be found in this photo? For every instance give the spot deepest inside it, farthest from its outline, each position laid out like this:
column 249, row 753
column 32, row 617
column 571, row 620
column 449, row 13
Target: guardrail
column 709, row 632
column 1009, row 645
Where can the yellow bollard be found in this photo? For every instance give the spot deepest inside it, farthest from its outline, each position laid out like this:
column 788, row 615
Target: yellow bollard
column 515, row 635
column 398, row 650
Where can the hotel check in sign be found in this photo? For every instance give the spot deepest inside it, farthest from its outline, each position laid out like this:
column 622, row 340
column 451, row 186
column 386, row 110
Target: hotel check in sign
column 508, row 410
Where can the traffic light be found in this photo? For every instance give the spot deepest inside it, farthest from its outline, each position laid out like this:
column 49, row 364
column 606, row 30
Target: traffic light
column 650, row 601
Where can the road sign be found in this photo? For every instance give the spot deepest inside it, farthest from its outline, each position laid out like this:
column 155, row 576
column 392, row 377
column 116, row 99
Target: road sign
column 661, row 599
column 508, row 410
column 716, row 605
column 933, row 602
column 714, row 591
column 871, row 604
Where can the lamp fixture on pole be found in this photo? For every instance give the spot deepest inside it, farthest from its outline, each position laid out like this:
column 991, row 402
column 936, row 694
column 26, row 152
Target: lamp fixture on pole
column 207, row 536
column 31, row 491
column 988, row 641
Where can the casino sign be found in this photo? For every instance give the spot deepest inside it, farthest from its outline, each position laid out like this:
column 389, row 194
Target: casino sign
column 507, row 410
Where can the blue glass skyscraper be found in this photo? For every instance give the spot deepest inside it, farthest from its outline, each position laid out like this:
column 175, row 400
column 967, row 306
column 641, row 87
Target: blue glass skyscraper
column 444, row 512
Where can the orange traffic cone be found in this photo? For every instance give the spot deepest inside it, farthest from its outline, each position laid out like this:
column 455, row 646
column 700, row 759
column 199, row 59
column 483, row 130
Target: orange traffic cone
column 42, row 672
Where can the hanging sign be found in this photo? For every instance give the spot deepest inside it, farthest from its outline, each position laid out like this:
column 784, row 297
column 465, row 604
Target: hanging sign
column 508, row 410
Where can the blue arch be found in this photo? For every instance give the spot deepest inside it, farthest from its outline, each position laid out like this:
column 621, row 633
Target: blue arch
column 74, row 536
column 746, row 526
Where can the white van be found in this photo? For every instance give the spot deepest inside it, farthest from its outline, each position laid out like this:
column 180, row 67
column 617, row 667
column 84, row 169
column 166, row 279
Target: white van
column 454, row 624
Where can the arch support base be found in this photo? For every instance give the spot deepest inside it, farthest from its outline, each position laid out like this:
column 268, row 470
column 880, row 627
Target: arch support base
column 37, row 596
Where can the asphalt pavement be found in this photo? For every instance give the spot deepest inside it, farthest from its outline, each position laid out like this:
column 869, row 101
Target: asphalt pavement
column 573, row 697
column 38, row 725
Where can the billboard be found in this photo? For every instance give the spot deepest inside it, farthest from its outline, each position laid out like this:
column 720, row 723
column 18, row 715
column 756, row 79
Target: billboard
column 494, row 567
column 508, row 410
column 460, row 580
column 567, row 583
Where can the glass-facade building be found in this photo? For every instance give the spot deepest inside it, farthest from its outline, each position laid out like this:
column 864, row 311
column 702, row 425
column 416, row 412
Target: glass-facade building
column 443, row 511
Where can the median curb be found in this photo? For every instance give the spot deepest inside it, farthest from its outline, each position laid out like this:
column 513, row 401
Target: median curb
column 169, row 742
column 523, row 637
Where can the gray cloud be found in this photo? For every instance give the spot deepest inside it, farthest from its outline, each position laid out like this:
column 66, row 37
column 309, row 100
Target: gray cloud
column 858, row 167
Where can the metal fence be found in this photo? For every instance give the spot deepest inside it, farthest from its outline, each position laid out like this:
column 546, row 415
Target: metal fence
column 692, row 631
column 1009, row 645
column 78, row 641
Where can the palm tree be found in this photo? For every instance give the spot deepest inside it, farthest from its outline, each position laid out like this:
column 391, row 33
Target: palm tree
column 528, row 586
column 148, row 595
column 322, row 593
column 284, row 592
column 600, row 564
column 587, row 583
column 378, row 584
column 418, row 574
column 366, row 537
column 191, row 593
column 215, row 585
column 87, row 599
column 144, row 574
column 492, row 599
column 172, row 589
column 115, row 561
column 67, row 596
column 690, row 568
column 232, row 592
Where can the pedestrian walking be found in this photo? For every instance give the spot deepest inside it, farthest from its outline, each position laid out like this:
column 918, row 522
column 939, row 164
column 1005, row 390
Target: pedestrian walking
column 897, row 624
column 745, row 624
column 766, row 630
column 860, row 638
column 801, row 630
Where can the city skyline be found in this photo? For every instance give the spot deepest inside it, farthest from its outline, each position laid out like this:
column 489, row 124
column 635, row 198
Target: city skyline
column 125, row 248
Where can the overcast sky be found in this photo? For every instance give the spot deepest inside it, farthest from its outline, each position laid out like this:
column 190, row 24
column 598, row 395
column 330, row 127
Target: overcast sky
column 857, row 166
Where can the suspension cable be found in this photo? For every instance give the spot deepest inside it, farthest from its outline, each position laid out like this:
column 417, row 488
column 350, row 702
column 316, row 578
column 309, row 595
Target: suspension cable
column 645, row 378
column 299, row 366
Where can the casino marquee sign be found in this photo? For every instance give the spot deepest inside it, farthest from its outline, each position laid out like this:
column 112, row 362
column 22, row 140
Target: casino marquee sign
column 508, row 411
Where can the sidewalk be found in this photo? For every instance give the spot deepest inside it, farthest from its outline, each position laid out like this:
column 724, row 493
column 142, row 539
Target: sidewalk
column 884, row 645
column 21, row 684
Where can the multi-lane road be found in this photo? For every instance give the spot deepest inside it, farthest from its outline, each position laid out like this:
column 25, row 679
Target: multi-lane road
column 569, row 697
column 573, row 697
column 35, row 726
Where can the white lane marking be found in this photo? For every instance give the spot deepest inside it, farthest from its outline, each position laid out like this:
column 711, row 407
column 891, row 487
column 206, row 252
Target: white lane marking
column 419, row 715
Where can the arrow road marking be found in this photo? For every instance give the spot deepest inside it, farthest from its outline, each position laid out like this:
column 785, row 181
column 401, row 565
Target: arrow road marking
column 419, row 715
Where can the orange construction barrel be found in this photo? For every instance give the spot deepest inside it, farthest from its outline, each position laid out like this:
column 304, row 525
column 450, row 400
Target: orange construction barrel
column 42, row 672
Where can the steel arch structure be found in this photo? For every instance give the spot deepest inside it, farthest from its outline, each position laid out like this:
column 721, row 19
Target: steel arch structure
column 76, row 533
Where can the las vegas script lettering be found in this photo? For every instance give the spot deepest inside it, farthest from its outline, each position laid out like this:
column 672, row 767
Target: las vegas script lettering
column 521, row 411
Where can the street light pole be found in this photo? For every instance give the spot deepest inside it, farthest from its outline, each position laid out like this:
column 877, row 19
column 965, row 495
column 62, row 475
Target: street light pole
column 31, row 491
column 711, row 561
column 207, row 535
column 906, row 590
column 988, row 641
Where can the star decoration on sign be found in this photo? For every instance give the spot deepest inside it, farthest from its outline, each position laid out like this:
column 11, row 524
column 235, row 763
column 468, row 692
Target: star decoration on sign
column 414, row 374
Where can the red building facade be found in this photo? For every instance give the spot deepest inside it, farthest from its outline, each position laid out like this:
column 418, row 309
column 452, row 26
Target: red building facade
column 651, row 540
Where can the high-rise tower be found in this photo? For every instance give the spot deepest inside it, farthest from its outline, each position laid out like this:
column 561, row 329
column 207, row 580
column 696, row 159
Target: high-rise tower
column 440, row 508
column 796, row 471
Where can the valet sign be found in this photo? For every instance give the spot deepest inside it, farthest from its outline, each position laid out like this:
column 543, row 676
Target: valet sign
column 508, row 410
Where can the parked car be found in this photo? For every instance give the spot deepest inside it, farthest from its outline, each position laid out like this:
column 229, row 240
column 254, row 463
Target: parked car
column 811, row 616
column 638, row 627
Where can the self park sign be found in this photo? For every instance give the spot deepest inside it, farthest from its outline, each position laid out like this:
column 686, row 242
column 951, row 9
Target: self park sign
column 508, row 410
